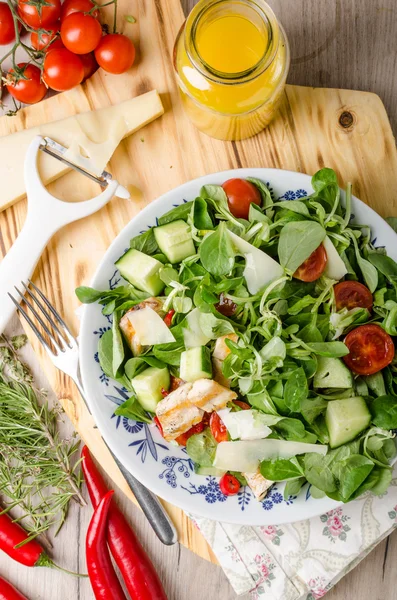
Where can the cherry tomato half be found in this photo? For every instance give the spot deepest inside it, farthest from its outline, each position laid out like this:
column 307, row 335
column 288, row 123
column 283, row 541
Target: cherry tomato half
column 243, row 405
column 30, row 90
column 43, row 14
column 90, row 65
column 371, row 349
column 71, row 6
column 115, row 53
column 42, row 42
column 218, row 428
column 229, row 484
column 240, row 194
column 352, row 294
column 81, row 33
column 63, row 70
column 313, row 266
column 183, row 438
column 7, row 29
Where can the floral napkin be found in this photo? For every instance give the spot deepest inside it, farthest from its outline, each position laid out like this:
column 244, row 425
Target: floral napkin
column 303, row 560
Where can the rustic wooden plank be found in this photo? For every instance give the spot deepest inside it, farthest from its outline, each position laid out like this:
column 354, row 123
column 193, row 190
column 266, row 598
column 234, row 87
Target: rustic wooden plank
column 306, row 136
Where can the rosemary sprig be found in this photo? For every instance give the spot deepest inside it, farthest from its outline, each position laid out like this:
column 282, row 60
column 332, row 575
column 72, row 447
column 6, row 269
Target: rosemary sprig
column 38, row 472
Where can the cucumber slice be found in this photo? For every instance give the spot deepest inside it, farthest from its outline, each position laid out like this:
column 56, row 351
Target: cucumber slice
column 175, row 240
column 142, row 271
column 208, row 471
column 196, row 364
column 148, row 386
column 332, row 373
column 345, row 419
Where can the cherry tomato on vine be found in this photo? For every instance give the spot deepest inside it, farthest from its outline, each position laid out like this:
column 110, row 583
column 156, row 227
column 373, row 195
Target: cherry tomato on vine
column 218, row 428
column 90, row 65
column 352, row 294
column 30, row 90
column 63, row 70
column 7, row 29
column 313, row 266
column 115, row 53
column 371, row 349
column 81, row 33
column 41, row 42
column 42, row 14
column 240, row 194
column 229, row 484
column 71, row 6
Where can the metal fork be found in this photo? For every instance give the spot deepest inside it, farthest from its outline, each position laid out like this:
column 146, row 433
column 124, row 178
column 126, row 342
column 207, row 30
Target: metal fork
column 63, row 350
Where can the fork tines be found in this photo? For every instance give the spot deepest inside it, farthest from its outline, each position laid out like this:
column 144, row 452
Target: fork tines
column 55, row 328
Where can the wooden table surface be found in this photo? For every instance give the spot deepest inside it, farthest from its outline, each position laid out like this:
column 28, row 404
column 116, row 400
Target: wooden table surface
column 334, row 43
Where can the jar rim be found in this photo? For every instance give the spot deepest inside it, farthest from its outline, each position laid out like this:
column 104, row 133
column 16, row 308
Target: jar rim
column 219, row 77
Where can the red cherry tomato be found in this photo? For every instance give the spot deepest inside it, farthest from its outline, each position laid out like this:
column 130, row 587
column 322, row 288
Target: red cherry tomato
column 218, row 428
column 243, row 405
column 352, row 294
column 240, row 194
column 71, row 6
column 41, row 15
column 90, row 65
column 30, row 90
column 7, row 28
column 229, row 484
column 63, row 70
column 168, row 317
column 42, row 42
column 313, row 266
column 80, row 33
column 225, row 306
column 183, row 438
column 115, row 53
column 371, row 349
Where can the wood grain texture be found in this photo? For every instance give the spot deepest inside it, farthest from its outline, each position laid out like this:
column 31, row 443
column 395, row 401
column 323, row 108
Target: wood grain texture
column 306, row 136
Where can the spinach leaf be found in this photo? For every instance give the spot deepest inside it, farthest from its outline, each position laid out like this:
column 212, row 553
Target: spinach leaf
column 88, row 295
column 264, row 191
column 311, row 408
column 133, row 410
column 105, row 353
column 331, row 349
column 228, row 284
column 259, row 398
column 214, row 192
column 368, row 270
column 293, row 487
column 201, row 215
column 351, row 473
column 118, row 345
column 318, row 473
column 179, row 212
column 384, row 411
column 301, row 304
column 293, row 430
column 201, row 448
column 298, row 239
column 137, row 364
column 377, row 482
column 296, row 390
column 281, row 469
column 216, row 252
column 390, row 322
column 146, row 242
column 385, row 265
column 293, row 205
column 325, row 185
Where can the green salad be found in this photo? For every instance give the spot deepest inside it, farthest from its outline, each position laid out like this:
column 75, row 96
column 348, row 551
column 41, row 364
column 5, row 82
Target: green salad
column 259, row 334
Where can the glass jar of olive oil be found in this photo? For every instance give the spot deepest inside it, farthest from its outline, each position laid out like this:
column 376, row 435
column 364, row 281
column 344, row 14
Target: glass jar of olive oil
column 231, row 59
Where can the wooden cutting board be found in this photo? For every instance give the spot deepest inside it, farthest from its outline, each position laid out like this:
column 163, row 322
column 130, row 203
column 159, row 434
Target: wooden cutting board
column 346, row 130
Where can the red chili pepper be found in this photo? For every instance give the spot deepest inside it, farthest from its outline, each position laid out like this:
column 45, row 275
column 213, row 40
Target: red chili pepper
column 30, row 554
column 229, row 484
column 159, row 425
column 164, row 392
column 243, row 405
column 140, row 576
column 103, row 577
column 168, row 317
column 8, row 592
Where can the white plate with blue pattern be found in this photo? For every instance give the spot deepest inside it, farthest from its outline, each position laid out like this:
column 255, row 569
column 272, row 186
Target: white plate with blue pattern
column 162, row 467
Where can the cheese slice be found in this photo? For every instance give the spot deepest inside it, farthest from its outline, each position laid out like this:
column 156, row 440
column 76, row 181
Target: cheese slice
column 91, row 138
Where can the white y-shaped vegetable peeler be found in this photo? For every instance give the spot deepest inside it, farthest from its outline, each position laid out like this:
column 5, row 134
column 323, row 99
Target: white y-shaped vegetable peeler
column 46, row 215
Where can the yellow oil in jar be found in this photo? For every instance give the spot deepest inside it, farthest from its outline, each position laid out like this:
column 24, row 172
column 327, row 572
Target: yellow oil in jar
column 231, row 44
column 231, row 63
